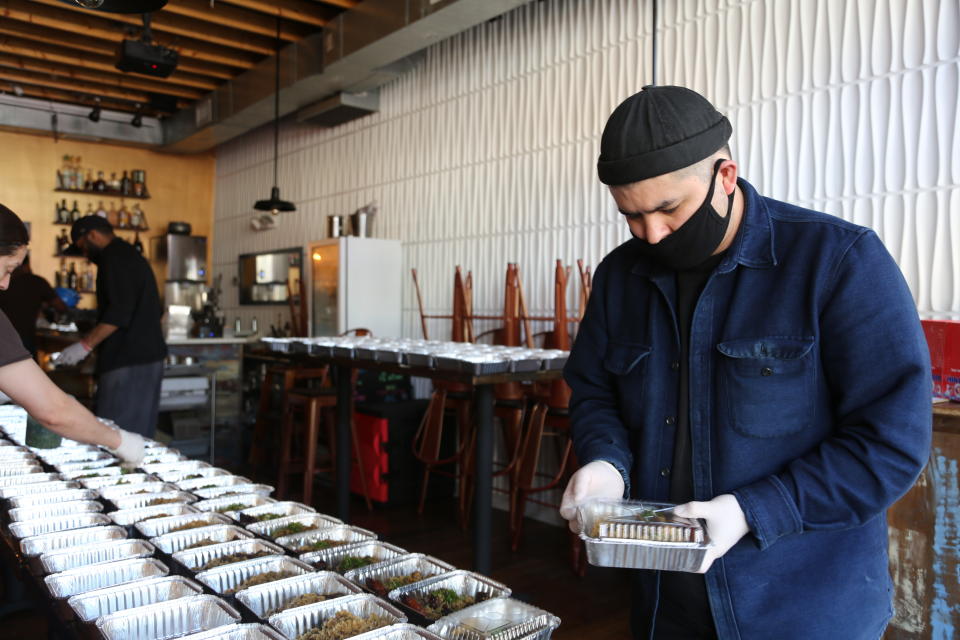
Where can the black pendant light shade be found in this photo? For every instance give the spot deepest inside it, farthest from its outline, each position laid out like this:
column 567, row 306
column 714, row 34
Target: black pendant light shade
column 274, row 204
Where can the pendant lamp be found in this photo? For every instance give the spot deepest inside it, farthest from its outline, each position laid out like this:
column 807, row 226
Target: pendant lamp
column 274, row 204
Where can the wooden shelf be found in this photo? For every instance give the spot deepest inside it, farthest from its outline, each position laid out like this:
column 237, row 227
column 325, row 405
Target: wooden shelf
column 104, row 194
column 140, row 229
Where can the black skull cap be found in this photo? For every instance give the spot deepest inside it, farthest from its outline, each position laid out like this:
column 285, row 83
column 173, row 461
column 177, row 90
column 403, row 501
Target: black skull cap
column 659, row 130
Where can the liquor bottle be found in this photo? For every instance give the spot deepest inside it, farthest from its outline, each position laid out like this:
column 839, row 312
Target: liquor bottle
column 89, row 182
column 62, row 273
column 114, row 183
column 57, row 279
column 75, row 212
column 77, row 182
column 137, row 244
column 63, row 241
column 123, row 217
column 72, row 276
column 63, row 215
column 86, row 280
column 89, row 211
column 136, row 217
column 100, row 185
column 125, row 185
column 112, row 215
column 100, row 210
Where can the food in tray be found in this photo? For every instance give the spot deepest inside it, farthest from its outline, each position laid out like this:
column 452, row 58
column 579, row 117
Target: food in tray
column 648, row 525
column 90, row 475
column 290, row 529
column 436, row 603
column 193, row 476
column 159, row 515
column 193, row 524
column 261, row 578
column 319, row 545
column 345, row 563
column 233, row 557
column 207, row 486
column 343, row 625
column 121, row 481
column 246, row 518
column 233, row 506
column 302, row 601
column 205, row 542
column 386, row 585
column 157, row 501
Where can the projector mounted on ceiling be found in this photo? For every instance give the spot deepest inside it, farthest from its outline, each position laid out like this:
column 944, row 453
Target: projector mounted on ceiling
column 143, row 56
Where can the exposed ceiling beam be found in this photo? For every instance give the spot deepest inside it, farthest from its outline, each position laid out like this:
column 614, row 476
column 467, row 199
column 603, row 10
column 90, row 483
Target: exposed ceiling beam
column 67, row 97
column 46, row 35
column 299, row 10
column 162, row 22
column 75, row 85
column 58, row 55
column 237, row 18
column 87, row 75
column 83, row 22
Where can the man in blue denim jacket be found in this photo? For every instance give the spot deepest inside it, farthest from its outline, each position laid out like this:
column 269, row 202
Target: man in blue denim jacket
column 761, row 363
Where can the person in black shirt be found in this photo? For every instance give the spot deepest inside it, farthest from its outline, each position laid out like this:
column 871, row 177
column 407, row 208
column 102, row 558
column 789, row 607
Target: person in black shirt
column 27, row 294
column 128, row 332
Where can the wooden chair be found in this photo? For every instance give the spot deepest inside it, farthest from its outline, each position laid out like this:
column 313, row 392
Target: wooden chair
column 286, row 377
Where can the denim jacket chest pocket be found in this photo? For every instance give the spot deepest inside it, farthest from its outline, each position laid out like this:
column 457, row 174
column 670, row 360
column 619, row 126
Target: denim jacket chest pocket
column 627, row 362
column 766, row 384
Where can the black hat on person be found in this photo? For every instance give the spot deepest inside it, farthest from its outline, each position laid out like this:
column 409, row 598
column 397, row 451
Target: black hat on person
column 659, row 130
column 81, row 227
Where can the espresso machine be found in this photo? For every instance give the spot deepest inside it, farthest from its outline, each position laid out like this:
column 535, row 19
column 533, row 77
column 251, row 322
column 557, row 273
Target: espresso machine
column 186, row 297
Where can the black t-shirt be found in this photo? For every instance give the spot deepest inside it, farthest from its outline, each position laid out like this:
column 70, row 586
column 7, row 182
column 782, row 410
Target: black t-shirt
column 127, row 297
column 22, row 301
column 11, row 347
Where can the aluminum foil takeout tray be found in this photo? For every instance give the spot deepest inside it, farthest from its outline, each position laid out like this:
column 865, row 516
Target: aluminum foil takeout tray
column 294, row 622
column 28, row 478
column 342, row 533
column 156, row 456
column 139, row 500
column 18, row 468
column 37, row 545
column 130, row 517
column 170, row 470
column 399, row 631
column 195, row 559
column 99, row 576
column 84, row 473
column 125, row 480
column 55, row 510
column 246, row 499
column 159, row 526
column 52, row 497
column 368, row 577
column 498, row 619
column 234, row 489
column 638, row 535
column 62, row 455
column 95, row 553
column 464, row 583
column 212, row 482
column 197, row 474
column 223, row 579
column 264, row 599
column 40, row 526
column 285, row 508
column 154, row 485
column 102, row 602
column 331, row 559
column 171, row 619
column 314, row 520
column 99, row 462
column 253, row 631
column 37, row 487
column 171, row 543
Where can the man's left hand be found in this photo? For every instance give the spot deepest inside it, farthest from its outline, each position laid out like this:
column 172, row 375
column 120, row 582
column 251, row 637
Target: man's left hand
column 726, row 524
column 73, row 354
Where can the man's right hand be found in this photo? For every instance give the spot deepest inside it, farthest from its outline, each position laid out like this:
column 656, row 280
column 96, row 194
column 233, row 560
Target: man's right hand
column 597, row 479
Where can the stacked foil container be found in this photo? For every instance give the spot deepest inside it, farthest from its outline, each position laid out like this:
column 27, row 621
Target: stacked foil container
column 179, row 548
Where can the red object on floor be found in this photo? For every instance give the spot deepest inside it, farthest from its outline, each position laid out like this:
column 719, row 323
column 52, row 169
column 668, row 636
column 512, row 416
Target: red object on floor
column 372, row 433
column 943, row 339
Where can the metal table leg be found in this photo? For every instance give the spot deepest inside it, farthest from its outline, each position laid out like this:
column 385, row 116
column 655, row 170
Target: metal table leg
column 483, row 470
column 344, row 416
column 213, row 415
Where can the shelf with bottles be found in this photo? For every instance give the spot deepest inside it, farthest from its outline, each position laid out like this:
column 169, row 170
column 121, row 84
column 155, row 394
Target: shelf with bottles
column 132, row 219
column 80, row 281
column 73, row 177
column 112, row 194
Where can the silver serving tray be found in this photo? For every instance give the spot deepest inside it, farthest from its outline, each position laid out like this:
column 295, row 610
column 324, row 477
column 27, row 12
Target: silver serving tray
column 171, row 543
column 498, row 619
column 238, row 632
column 464, row 583
column 37, row 545
column 166, row 620
column 99, row 576
column 159, row 526
column 223, row 579
column 129, row 480
column 212, row 482
column 52, row 497
column 194, row 559
column 102, row 602
column 95, row 553
column 247, row 499
column 128, row 517
column 327, row 559
column 139, row 500
column 235, row 489
column 265, row 598
column 40, row 526
column 153, row 485
column 285, row 508
column 37, row 487
column 28, row 478
column 337, row 532
column 401, row 631
column 294, row 622
column 55, row 510
column 402, row 566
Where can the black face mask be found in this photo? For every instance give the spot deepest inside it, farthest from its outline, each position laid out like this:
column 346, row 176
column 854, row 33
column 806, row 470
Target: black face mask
column 696, row 240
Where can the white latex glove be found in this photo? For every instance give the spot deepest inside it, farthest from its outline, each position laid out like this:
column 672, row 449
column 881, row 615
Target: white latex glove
column 597, row 479
column 73, row 354
column 726, row 524
column 130, row 450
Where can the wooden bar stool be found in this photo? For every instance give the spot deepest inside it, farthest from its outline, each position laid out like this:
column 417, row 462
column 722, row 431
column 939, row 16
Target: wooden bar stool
column 286, row 377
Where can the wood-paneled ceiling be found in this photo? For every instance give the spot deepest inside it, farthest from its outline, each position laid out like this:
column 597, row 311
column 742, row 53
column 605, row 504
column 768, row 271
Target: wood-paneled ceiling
column 61, row 52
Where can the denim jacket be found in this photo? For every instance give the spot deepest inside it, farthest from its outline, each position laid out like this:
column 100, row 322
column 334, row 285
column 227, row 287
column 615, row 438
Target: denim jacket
column 809, row 401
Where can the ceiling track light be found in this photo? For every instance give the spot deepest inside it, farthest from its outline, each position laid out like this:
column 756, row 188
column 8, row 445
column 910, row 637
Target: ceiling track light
column 95, row 112
column 137, row 118
column 274, row 204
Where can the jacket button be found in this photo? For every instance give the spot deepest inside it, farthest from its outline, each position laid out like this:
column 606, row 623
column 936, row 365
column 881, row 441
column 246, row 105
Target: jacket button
column 766, row 371
column 671, row 419
column 664, row 472
column 675, row 365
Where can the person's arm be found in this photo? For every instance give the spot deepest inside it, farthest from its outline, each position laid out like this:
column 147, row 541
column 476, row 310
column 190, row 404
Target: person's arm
column 28, row 386
column 98, row 334
column 876, row 364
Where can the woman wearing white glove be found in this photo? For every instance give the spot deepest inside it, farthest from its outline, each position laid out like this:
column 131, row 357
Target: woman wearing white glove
column 27, row 385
